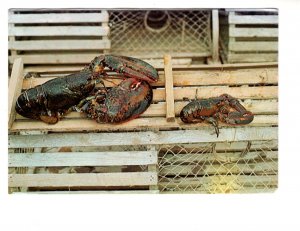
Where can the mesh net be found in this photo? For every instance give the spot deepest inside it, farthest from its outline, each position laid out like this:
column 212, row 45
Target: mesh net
column 238, row 167
column 157, row 32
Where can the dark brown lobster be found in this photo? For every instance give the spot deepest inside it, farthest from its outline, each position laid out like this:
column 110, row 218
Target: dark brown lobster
column 50, row 101
column 225, row 108
column 119, row 104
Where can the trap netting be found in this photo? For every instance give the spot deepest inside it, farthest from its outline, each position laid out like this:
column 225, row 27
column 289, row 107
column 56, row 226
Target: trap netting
column 155, row 33
column 236, row 167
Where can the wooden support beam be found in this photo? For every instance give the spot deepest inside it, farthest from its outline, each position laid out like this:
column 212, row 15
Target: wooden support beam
column 215, row 36
column 170, row 112
column 14, row 90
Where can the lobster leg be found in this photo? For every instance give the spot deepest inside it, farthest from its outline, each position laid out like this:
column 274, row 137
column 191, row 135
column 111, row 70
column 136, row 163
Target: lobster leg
column 214, row 123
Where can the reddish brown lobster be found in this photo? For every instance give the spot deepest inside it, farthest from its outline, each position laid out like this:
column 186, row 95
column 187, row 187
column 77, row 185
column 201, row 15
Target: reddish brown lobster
column 50, row 101
column 225, row 108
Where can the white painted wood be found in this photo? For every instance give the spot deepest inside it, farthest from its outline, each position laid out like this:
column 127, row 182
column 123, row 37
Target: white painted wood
column 58, row 18
column 59, row 45
column 143, row 138
column 253, row 32
column 258, row 46
column 253, row 19
column 85, row 179
column 59, row 31
column 82, row 159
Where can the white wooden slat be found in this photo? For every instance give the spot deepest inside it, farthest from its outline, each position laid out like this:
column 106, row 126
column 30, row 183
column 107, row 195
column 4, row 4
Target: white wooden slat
column 85, row 179
column 58, row 18
column 59, row 45
column 252, row 10
column 94, row 192
column 142, row 138
column 253, row 32
column 82, row 159
column 253, row 19
column 75, row 58
column 253, row 46
column 253, row 57
column 59, row 31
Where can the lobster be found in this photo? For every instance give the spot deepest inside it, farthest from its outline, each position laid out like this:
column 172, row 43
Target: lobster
column 118, row 104
column 49, row 101
column 225, row 108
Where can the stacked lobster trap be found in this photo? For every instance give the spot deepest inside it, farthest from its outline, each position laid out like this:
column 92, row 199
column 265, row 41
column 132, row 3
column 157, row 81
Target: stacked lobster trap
column 157, row 152
column 249, row 35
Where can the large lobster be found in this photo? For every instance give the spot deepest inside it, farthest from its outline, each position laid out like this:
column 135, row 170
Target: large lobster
column 49, row 101
column 225, row 108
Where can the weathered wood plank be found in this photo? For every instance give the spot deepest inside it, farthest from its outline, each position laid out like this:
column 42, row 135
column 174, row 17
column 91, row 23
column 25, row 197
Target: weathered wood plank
column 253, row 19
column 215, row 35
column 82, row 58
column 253, row 32
column 15, row 87
column 267, row 92
column 59, row 31
column 258, row 107
column 170, row 112
column 256, row 57
column 253, row 46
column 82, row 159
column 58, row 18
column 59, row 45
column 192, row 67
column 269, row 167
column 140, row 124
column 85, row 179
column 193, row 78
column 95, row 192
column 143, row 138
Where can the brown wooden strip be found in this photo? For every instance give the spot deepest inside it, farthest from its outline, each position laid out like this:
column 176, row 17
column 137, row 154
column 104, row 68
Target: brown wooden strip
column 170, row 112
column 15, row 86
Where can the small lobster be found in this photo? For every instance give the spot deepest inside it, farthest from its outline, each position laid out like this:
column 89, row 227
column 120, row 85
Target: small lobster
column 225, row 108
column 49, row 101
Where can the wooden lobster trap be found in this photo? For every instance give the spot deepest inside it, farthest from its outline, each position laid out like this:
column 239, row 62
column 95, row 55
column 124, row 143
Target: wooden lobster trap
column 156, row 152
column 249, row 35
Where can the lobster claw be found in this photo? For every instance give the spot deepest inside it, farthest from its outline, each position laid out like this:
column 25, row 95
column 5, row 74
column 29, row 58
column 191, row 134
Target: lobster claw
column 128, row 66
